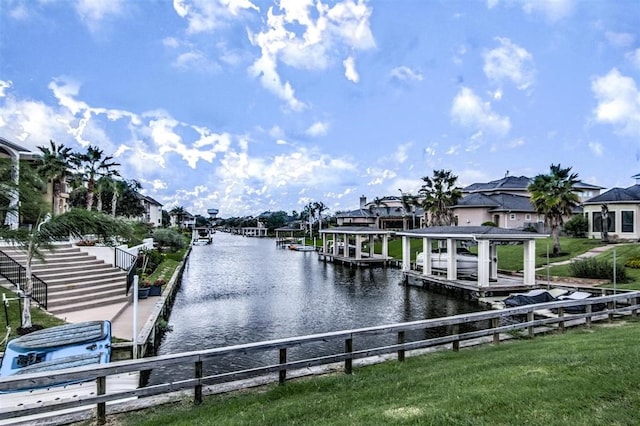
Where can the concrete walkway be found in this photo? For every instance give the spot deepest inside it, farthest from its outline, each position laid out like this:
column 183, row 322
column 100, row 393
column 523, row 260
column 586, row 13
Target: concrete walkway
column 120, row 315
column 586, row 255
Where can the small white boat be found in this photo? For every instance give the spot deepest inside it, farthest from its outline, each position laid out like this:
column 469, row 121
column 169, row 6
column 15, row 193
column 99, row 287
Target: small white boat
column 301, row 247
column 466, row 262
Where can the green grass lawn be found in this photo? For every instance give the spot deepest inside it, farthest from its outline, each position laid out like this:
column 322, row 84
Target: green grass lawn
column 583, row 377
column 38, row 316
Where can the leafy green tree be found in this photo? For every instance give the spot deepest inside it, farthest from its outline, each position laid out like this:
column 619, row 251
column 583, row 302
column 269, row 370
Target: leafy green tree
column 553, row 195
column 276, row 220
column 577, row 226
column 439, row 194
column 319, row 207
column 55, row 165
column 93, row 165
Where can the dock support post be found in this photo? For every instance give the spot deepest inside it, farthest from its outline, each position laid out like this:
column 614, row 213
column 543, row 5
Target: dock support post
column 282, row 374
column 634, row 311
column 561, row 323
column 101, row 409
column 530, row 319
column 455, row 345
column 588, row 318
column 197, row 391
column 400, row 342
column 495, row 323
column 348, row 362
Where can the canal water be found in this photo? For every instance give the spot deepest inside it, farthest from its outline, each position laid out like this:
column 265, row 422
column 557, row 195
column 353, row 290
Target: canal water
column 241, row 290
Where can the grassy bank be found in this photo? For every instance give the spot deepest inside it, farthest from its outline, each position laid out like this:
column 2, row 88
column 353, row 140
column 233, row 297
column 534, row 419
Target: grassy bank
column 582, row 377
column 38, row 316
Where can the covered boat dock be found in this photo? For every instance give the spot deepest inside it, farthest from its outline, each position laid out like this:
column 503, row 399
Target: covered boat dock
column 486, row 280
column 344, row 244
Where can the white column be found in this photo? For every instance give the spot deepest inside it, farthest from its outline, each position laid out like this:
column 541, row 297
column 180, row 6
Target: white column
column 358, row 246
column 345, row 246
column 406, row 253
column 493, row 255
column 385, row 245
column 371, row 246
column 483, row 263
column 335, row 244
column 452, row 271
column 530, row 262
column 426, row 256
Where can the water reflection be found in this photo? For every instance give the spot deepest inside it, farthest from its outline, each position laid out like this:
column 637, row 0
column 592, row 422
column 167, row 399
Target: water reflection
column 241, row 290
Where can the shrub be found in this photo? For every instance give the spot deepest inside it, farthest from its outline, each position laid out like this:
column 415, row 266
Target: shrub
column 169, row 238
column 633, row 263
column 489, row 223
column 577, row 226
column 597, row 269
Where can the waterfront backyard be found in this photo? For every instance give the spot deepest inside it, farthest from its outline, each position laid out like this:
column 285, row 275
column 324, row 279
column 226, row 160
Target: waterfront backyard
column 586, row 376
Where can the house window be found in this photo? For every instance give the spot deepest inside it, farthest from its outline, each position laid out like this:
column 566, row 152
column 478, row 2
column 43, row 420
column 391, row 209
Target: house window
column 627, row 220
column 527, row 217
column 596, row 219
column 512, row 216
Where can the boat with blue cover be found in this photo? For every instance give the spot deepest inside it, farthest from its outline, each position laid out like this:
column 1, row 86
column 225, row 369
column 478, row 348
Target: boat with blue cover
column 56, row 348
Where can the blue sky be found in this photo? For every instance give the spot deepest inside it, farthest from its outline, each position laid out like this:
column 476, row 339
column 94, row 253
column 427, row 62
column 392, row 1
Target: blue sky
column 247, row 105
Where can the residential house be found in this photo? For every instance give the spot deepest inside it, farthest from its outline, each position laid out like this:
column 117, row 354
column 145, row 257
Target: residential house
column 18, row 154
column 386, row 213
column 152, row 210
column 506, row 203
column 186, row 221
column 623, row 205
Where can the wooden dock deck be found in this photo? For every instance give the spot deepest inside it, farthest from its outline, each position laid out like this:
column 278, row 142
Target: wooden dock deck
column 504, row 285
column 364, row 261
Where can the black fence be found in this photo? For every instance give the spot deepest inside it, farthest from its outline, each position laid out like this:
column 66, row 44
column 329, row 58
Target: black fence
column 16, row 274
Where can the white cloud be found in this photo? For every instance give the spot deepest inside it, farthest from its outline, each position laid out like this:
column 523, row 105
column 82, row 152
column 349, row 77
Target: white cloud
column 552, row 10
column 317, row 129
column 4, row 85
column 379, row 176
column 309, row 35
column 620, row 39
column 401, row 155
column 634, row 57
column 195, row 61
column 618, row 102
column 209, row 15
column 596, row 148
column 93, row 12
column 404, row 73
column 468, row 110
column 516, row 143
column 509, row 62
column 453, row 150
column 350, row 71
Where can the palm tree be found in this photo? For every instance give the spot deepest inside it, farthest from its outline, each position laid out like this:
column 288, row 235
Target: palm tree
column 604, row 214
column 320, row 207
column 408, row 203
column 92, row 166
column 439, row 194
column 377, row 203
column 554, row 196
column 47, row 229
column 55, row 165
column 179, row 212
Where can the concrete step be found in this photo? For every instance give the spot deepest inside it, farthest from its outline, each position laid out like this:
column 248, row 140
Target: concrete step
column 74, row 307
column 51, row 276
column 88, row 296
column 75, row 280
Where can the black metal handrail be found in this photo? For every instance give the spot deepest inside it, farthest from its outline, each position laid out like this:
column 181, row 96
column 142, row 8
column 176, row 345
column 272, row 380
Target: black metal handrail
column 127, row 262
column 16, row 274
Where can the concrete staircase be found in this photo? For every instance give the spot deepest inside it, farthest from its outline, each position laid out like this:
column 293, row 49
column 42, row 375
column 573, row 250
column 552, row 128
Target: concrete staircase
column 75, row 280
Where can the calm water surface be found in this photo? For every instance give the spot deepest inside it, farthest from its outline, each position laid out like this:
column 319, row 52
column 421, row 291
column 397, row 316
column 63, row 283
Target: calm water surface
column 241, row 290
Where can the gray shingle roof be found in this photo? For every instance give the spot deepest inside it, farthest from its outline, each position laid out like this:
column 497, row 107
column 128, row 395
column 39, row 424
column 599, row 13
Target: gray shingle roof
column 617, row 195
column 497, row 202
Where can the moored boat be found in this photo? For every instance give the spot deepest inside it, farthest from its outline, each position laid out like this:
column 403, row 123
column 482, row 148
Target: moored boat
column 55, row 348
column 466, row 262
